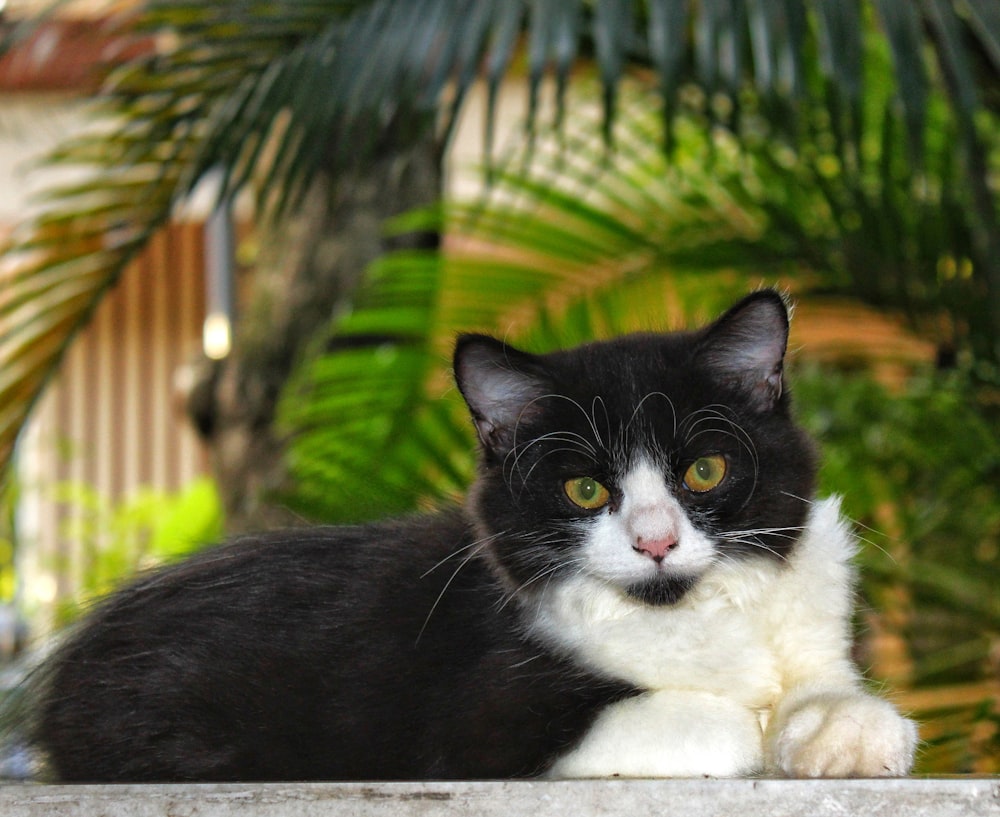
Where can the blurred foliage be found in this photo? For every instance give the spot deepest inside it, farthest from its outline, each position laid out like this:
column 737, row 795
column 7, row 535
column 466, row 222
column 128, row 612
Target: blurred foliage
column 920, row 473
column 922, row 465
column 9, row 496
column 114, row 539
column 575, row 241
column 267, row 97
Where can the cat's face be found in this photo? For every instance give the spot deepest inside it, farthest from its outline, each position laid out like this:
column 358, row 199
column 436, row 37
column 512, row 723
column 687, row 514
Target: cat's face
column 641, row 461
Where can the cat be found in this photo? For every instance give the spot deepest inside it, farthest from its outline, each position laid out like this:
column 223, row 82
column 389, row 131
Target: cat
column 639, row 584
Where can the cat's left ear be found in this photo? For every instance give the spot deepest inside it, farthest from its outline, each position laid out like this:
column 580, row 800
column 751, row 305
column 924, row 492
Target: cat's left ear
column 746, row 347
column 502, row 387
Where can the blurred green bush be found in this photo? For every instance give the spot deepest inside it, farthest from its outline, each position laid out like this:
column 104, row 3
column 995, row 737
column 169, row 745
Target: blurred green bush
column 115, row 539
column 919, row 471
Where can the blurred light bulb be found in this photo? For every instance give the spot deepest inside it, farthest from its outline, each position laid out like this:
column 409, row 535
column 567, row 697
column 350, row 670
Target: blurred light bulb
column 216, row 336
column 45, row 588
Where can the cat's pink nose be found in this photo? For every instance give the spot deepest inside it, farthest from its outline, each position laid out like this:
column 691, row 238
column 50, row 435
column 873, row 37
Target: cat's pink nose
column 655, row 549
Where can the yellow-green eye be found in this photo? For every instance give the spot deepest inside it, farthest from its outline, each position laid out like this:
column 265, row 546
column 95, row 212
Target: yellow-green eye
column 705, row 473
column 587, row 493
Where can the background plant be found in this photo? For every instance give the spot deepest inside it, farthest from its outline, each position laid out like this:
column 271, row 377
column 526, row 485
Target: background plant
column 329, row 113
column 919, row 471
column 117, row 538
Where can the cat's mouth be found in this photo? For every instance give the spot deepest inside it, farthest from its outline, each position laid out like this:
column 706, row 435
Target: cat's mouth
column 661, row 590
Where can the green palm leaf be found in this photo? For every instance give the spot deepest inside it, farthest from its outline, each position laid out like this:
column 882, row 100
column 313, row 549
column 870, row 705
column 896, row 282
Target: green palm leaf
column 375, row 425
column 273, row 93
column 581, row 238
column 239, row 94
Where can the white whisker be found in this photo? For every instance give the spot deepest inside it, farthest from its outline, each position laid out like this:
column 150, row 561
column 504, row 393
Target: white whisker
column 856, row 524
column 473, row 550
column 638, row 408
column 478, row 543
column 547, row 572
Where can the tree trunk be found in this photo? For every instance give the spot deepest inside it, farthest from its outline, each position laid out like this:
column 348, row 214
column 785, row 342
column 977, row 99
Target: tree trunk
column 308, row 269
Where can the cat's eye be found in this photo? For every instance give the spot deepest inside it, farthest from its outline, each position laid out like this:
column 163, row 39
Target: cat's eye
column 586, row 493
column 705, row 473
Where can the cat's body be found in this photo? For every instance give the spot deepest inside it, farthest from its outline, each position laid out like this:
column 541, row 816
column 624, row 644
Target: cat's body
column 323, row 653
column 640, row 584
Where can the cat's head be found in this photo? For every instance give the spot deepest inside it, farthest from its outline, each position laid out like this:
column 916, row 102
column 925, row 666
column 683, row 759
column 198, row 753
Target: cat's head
column 642, row 461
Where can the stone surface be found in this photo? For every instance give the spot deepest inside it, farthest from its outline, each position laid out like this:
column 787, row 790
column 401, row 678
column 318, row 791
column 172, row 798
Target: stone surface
column 609, row 798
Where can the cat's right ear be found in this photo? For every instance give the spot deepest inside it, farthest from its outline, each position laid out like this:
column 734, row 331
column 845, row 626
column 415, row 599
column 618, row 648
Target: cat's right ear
column 746, row 347
column 501, row 385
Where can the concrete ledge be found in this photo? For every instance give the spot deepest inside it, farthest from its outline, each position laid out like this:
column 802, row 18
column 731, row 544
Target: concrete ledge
column 627, row 798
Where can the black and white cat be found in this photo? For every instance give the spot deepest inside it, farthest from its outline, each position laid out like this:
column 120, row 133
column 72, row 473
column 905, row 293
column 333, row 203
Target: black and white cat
column 639, row 585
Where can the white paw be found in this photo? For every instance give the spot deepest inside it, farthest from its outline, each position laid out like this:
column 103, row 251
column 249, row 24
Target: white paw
column 668, row 733
column 842, row 735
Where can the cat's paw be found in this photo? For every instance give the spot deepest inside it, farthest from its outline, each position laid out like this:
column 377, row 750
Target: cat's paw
column 842, row 735
column 668, row 734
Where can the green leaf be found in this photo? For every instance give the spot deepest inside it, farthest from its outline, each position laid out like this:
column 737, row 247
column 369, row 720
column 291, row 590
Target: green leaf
column 902, row 27
column 506, row 27
column 777, row 35
column 984, row 17
column 954, row 63
column 272, row 94
column 614, row 31
column 668, row 37
column 376, row 427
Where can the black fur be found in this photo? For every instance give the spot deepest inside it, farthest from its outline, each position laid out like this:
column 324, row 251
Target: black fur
column 400, row 650
column 314, row 654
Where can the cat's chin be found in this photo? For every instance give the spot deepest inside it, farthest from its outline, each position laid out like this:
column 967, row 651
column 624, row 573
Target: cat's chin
column 661, row 590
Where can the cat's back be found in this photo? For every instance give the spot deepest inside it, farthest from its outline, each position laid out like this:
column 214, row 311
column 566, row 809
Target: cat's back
column 267, row 586
column 243, row 660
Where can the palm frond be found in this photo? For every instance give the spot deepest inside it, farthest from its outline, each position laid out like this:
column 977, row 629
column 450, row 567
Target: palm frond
column 589, row 258
column 580, row 238
column 237, row 93
column 59, row 267
column 984, row 20
column 272, row 93
column 371, row 390
column 667, row 38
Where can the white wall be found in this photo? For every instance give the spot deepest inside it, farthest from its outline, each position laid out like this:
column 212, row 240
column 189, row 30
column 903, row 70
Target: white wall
column 30, row 127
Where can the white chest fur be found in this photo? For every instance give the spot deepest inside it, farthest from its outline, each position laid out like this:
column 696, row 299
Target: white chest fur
column 746, row 630
column 716, row 664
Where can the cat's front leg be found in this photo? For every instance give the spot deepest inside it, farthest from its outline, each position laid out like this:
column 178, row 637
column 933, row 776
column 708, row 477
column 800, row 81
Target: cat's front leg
column 839, row 733
column 669, row 733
